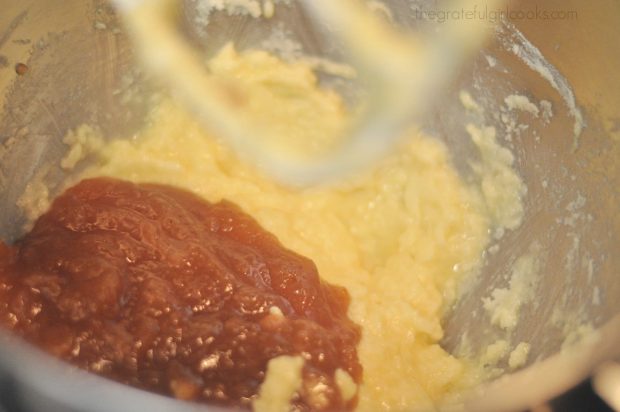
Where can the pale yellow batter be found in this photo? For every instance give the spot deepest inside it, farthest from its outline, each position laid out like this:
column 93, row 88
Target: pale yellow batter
column 399, row 238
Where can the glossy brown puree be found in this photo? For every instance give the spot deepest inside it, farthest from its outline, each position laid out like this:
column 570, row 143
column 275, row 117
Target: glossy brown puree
column 154, row 287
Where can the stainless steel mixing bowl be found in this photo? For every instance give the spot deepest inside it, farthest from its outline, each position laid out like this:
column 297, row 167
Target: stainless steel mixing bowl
column 81, row 70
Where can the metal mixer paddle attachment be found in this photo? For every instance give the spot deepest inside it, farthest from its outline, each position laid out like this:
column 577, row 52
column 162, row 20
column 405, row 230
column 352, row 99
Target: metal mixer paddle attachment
column 403, row 73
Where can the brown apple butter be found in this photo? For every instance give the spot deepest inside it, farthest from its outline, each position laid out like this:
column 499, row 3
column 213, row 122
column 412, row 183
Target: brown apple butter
column 157, row 288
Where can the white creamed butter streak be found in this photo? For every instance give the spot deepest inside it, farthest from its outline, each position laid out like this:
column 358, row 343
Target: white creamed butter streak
column 399, row 237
